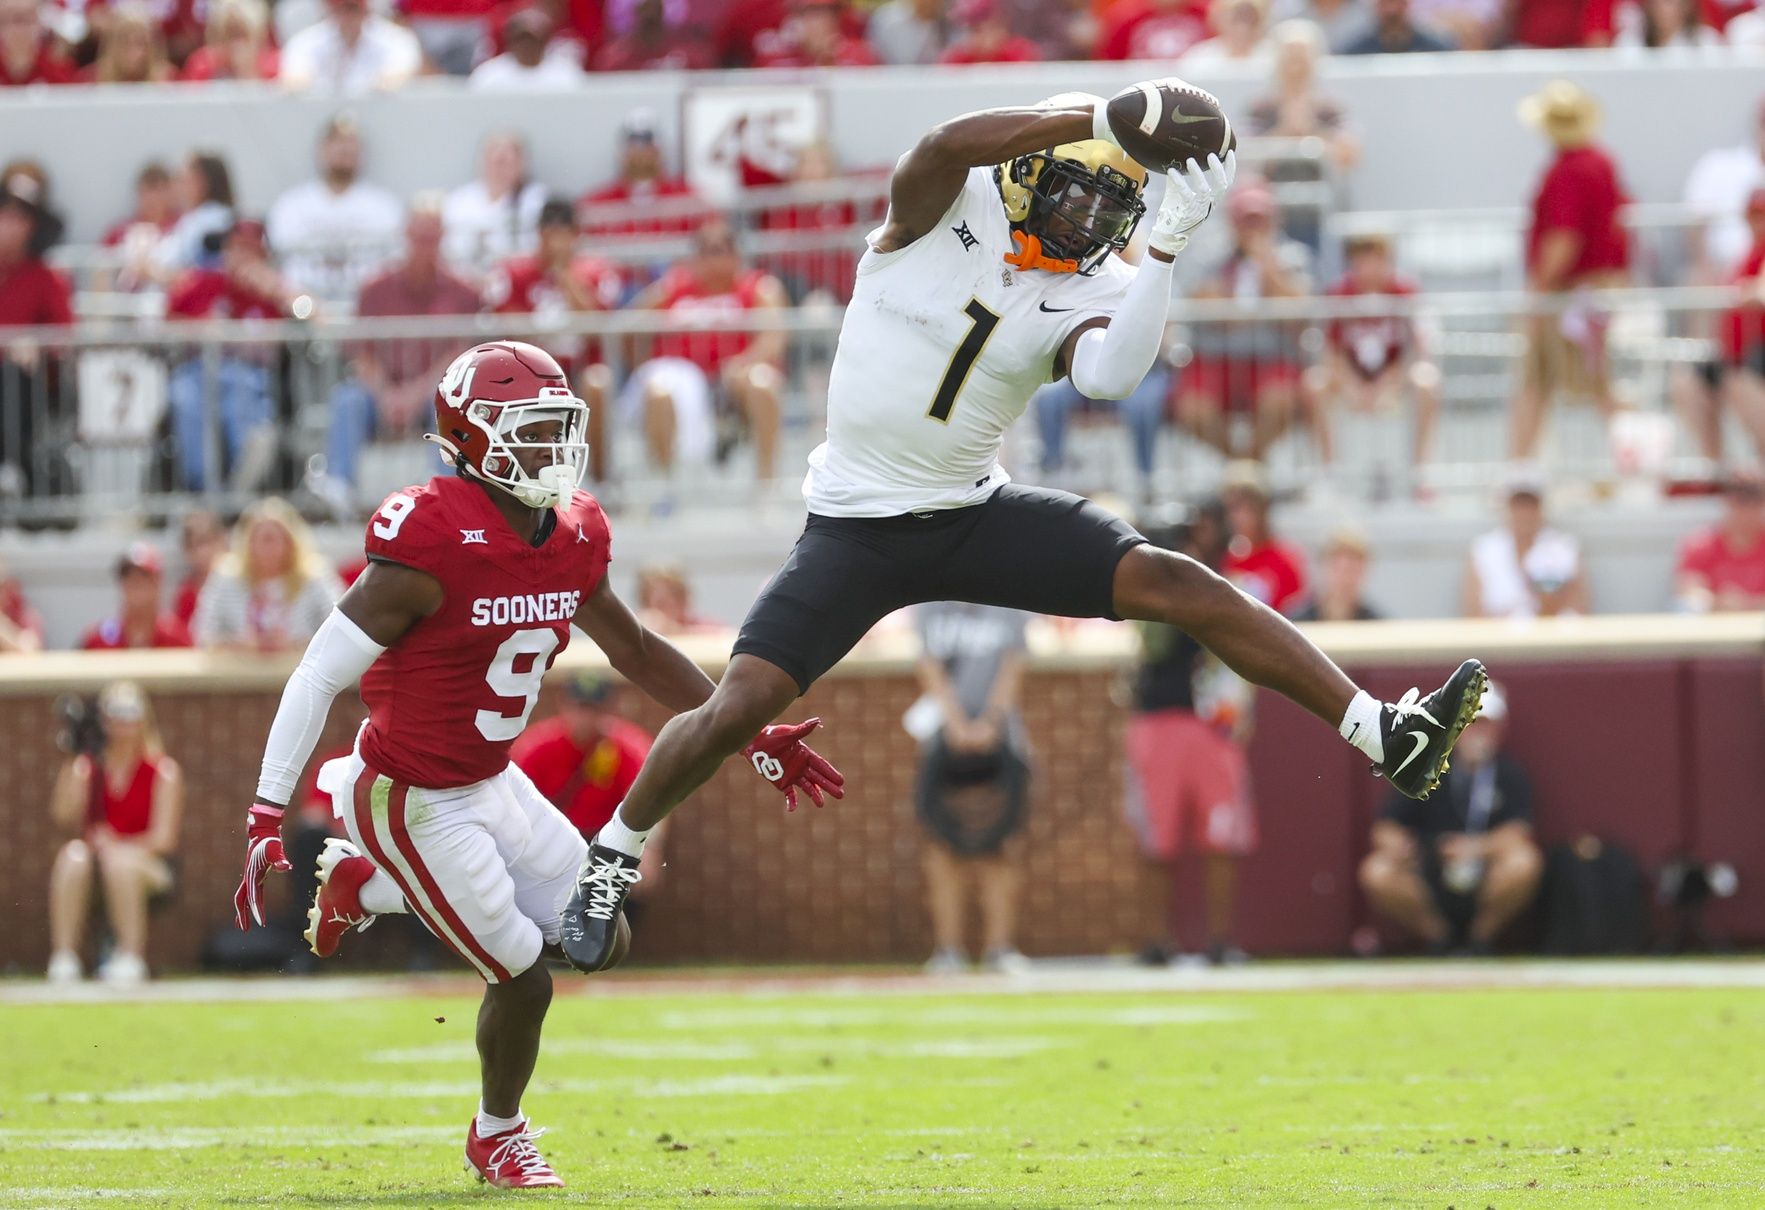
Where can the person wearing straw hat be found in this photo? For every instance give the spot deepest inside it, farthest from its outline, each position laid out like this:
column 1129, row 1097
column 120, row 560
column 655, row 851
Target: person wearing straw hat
column 1576, row 245
column 1458, row 868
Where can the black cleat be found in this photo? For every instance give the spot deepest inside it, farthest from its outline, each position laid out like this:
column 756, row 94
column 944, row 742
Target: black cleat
column 591, row 924
column 1419, row 735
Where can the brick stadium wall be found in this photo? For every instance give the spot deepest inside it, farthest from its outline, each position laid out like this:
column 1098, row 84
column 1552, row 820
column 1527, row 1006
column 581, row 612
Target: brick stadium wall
column 1660, row 753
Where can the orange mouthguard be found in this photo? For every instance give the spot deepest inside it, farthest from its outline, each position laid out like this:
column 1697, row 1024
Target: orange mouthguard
column 1029, row 256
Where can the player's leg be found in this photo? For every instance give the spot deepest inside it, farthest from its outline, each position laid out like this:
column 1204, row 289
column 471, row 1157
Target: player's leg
column 70, row 897
column 843, row 576
column 1053, row 552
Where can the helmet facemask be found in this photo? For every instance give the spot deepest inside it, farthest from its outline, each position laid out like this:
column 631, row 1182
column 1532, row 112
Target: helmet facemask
column 504, row 424
column 1078, row 213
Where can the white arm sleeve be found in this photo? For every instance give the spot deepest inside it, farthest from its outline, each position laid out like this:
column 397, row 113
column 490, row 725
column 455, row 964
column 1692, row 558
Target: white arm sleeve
column 1108, row 363
column 335, row 659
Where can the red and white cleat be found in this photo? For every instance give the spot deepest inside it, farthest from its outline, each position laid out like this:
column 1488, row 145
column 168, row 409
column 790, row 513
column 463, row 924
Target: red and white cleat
column 337, row 907
column 510, row 1160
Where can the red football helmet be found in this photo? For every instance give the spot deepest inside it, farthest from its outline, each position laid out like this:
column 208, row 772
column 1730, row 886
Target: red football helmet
column 488, row 395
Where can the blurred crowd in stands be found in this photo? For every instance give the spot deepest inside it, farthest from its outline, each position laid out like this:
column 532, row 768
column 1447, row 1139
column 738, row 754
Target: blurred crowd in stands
column 356, row 46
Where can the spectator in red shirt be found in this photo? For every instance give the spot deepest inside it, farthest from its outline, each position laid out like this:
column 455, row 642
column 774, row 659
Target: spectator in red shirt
column 822, row 272
column 1576, row 246
column 202, row 540
column 1376, row 362
column 1559, row 24
column 237, row 46
column 178, row 23
column 1723, row 568
column 675, row 390
column 559, row 281
column 123, row 803
column 1152, row 29
column 987, row 38
column 586, row 757
column 817, row 36
column 643, row 199
column 245, row 286
column 21, row 627
column 140, row 621
column 27, row 52
column 31, row 295
column 131, row 49
column 1256, row 560
column 392, row 382
column 654, row 42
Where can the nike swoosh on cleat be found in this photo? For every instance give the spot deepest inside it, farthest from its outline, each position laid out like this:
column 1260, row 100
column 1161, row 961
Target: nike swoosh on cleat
column 1421, row 738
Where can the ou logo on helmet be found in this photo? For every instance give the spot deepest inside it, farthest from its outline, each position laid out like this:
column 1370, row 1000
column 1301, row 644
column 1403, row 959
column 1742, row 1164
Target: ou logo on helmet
column 768, row 766
column 456, row 384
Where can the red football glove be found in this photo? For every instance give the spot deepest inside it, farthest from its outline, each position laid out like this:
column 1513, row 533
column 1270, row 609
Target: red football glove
column 780, row 756
column 263, row 853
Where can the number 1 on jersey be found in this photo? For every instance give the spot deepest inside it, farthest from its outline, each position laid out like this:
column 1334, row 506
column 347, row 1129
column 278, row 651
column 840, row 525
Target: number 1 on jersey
column 979, row 332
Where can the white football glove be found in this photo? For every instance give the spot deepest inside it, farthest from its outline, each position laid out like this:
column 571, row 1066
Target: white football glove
column 1189, row 197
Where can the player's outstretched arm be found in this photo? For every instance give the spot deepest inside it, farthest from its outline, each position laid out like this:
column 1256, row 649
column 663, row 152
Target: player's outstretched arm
column 928, row 178
column 1107, row 358
column 640, row 655
column 376, row 611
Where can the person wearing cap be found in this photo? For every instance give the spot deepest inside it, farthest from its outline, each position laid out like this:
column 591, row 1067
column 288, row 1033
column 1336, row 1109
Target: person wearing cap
column 557, row 282
column 987, row 37
column 1525, row 569
column 1456, row 868
column 31, row 295
column 1247, row 367
column 1374, row 362
column 643, row 198
column 333, row 231
column 1340, row 595
column 28, row 53
column 1576, row 246
column 124, row 803
column 140, row 620
column 1735, row 377
column 1256, row 560
column 1395, row 32
column 584, row 759
column 1722, row 568
column 233, row 385
column 533, row 62
column 657, row 40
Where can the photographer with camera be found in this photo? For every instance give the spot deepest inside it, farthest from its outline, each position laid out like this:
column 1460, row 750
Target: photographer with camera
column 124, row 796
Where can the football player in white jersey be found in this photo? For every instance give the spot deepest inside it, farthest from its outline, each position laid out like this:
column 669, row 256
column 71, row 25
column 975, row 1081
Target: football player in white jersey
column 995, row 271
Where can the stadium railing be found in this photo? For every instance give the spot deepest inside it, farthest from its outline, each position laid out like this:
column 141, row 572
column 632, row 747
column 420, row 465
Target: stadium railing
column 92, row 430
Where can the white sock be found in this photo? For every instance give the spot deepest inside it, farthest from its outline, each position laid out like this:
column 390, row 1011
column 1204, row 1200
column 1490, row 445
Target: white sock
column 615, row 835
column 381, row 896
column 485, row 1125
column 1360, row 726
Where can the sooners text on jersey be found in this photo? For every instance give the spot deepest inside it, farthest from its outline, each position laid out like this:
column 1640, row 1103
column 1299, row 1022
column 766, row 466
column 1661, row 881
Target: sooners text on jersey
column 447, row 700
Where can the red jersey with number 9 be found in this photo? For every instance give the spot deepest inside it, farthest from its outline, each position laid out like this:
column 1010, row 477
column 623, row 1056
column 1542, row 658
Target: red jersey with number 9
column 447, row 700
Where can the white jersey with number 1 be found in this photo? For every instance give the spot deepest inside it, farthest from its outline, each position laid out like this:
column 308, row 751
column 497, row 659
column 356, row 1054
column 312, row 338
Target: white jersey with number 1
column 942, row 347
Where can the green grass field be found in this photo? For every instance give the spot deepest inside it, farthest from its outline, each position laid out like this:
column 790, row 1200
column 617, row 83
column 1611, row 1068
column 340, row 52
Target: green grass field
column 830, row 1097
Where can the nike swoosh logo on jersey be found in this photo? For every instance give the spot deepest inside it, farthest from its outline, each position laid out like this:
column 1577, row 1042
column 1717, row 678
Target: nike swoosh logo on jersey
column 1055, row 310
column 1421, row 738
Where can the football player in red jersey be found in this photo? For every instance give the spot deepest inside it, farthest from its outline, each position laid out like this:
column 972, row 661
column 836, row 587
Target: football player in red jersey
column 473, row 582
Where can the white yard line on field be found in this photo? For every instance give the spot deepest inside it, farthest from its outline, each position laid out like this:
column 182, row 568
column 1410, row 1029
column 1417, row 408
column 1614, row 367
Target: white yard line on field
column 376, row 1090
column 729, row 1052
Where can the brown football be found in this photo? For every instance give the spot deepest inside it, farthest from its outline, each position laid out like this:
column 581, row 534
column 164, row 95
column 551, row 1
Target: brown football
column 1166, row 123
